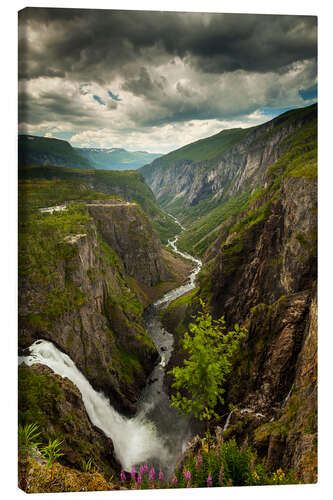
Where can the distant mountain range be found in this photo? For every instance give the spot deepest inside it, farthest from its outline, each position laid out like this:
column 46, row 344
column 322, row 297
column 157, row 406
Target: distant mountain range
column 117, row 158
column 46, row 151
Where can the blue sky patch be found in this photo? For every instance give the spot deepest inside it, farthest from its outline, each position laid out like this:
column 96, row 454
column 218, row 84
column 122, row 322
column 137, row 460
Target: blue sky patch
column 310, row 93
column 98, row 99
column 276, row 111
column 113, row 96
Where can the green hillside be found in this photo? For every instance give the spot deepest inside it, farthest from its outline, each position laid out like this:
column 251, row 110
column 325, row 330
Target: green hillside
column 298, row 160
column 49, row 151
column 128, row 185
column 202, row 150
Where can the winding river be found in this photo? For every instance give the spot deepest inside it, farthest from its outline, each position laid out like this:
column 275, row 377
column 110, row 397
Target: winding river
column 157, row 434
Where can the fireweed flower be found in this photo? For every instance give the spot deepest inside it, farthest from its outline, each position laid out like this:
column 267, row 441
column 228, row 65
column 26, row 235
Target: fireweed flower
column 139, row 480
column 133, row 474
column 209, row 480
column 198, row 462
column 161, row 476
column 145, row 468
column 142, row 469
column 122, row 476
column 152, row 474
column 187, row 475
column 174, row 480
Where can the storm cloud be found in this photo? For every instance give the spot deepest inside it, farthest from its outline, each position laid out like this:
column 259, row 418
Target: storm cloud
column 163, row 68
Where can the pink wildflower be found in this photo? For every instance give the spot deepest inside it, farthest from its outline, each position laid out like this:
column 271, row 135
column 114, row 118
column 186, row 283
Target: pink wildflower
column 174, row 480
column 133, row 474
column 187, row 475
column 152, row 474
column 122, row 476
column 209, row 480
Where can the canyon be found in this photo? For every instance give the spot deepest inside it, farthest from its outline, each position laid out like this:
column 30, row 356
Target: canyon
column 91, row 280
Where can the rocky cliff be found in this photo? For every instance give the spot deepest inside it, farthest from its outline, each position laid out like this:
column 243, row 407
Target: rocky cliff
column 56, row 406
column 182, row 184
column 78, row 292
column 128, row 231
column 261, row 271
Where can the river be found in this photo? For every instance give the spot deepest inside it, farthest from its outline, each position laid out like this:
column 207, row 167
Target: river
column 157, row 434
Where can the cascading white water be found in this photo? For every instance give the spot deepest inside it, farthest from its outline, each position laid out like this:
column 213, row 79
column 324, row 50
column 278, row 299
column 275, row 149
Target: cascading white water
column 158, row 433
column 135, row 439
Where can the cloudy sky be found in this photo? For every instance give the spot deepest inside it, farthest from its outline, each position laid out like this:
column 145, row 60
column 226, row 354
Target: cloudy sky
column 155, row 81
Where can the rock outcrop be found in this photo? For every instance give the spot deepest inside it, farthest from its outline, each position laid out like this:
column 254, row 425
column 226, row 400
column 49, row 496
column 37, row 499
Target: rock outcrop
column 127, row 230
column 88, row 308
column 57, row 407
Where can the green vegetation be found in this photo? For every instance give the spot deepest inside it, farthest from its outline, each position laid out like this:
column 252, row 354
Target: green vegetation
column 49, row 151
column 36, row 393
column 215, row 463
column 298, row 159
column 42, row 242
column 205, row 149
column 43, row 405
column 64, row 184
column 183, row 300
column 210, row 349
column 52, row 452
column 198, row 237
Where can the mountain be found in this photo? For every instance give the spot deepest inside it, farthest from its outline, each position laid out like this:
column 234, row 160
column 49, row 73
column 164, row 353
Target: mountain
column 34, row 150
column 257, row 235
column 116, row 158
column 204, row 193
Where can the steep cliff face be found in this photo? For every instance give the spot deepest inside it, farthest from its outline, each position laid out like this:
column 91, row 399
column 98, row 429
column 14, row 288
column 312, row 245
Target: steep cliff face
column 276, row 256
column 128, row 231
column 81, row 270
column 183, row 184
column 261, row 271
column 264, row 275
column 88, row 310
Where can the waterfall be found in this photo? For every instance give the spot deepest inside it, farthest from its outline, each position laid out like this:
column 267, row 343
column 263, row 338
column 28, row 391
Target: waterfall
column 135, row 439
column 158, row 433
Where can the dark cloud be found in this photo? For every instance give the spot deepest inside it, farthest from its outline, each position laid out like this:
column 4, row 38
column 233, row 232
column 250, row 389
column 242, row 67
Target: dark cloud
column 99, row 44
column 131, row 73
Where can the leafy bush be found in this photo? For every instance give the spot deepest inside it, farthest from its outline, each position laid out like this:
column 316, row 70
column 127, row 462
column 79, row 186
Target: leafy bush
column 210, row 350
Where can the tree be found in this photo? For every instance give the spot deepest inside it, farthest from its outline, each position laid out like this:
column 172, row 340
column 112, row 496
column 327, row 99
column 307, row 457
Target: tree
column 210, row 349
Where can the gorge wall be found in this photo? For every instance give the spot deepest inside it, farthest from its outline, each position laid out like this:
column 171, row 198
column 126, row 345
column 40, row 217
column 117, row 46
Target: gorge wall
column 87, row 303
column 261, row 271
column 184, row 183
